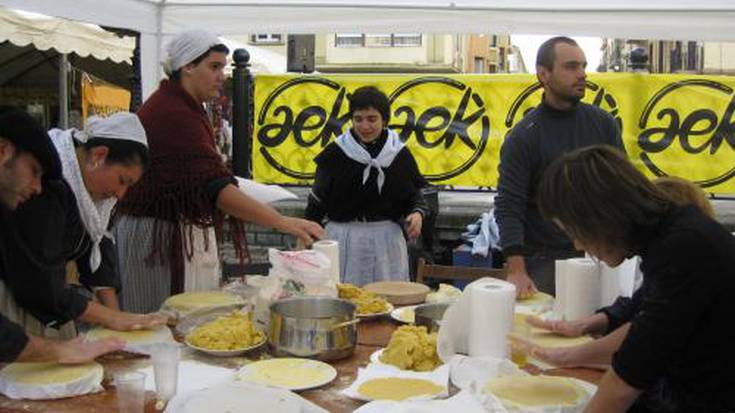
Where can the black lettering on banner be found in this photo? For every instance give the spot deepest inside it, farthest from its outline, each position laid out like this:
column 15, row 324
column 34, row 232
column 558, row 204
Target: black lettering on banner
column 689, row 131
column 438, row 128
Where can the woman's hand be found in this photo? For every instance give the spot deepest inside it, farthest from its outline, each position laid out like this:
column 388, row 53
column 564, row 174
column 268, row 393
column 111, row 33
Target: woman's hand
column 414, row 221
column 564, row 328
column 555, row 356
column 80, row 350
column 306, row 231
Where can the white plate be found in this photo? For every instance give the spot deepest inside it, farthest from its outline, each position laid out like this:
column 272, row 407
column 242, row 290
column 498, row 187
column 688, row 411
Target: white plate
column 288, row 373
column 376, row 315
column 226, row 353
column 399, row 313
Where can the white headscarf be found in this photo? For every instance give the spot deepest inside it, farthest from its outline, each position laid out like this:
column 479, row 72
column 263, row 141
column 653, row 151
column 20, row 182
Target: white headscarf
column 95, row 215
column 186, row 47
column 357, row 153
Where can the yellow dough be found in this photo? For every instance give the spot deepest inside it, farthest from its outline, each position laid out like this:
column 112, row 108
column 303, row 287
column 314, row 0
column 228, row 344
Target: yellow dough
column 537, row 299
column 411, row 348
column 545, row 338
column 366, row 302
column 201, row 299
column 514, row 391
column 289, row 373
column 232, row 332
column 42, row 373
column 131, row 337
column 395, row 388
column 407, row 316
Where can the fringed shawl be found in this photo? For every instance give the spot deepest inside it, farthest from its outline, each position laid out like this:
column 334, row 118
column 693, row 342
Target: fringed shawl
column 184, row 160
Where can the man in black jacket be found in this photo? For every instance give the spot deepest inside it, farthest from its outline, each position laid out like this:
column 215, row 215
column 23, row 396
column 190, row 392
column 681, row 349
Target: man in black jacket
column 26, row 154
column 561, row 123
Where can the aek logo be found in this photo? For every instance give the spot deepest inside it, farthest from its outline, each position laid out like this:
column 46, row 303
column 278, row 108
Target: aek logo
column 531, row 96
column 701, row 133
column 456, row 124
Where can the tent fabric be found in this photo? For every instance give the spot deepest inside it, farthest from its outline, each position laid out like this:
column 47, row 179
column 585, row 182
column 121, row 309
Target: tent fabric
column 64, row 36
column 157, row 20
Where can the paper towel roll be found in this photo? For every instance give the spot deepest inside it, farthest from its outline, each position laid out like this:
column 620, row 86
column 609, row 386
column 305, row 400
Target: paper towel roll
column 491, row 317
column 560, row 287
column 331, row 250
column 581, row 288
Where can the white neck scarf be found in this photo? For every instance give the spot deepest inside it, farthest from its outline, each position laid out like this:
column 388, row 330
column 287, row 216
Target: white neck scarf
column 357, row 153
column 95, row 215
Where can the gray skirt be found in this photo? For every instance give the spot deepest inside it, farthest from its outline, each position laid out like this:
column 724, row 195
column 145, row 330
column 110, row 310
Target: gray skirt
column 370, row 251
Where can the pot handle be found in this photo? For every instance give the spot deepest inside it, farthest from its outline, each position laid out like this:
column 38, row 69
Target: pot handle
column 344, row 324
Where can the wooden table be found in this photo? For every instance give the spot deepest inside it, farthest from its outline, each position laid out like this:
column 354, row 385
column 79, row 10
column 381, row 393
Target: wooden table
column 372, row 335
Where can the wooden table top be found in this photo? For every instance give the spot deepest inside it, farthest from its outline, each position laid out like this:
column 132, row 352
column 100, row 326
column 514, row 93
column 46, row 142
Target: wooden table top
column 372, row 335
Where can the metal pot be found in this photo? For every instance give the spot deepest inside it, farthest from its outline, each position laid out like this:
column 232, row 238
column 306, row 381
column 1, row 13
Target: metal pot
column 315, row 327
column 430, row 315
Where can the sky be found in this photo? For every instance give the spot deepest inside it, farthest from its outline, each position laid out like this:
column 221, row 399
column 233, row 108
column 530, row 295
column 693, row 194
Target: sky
column 529, row 45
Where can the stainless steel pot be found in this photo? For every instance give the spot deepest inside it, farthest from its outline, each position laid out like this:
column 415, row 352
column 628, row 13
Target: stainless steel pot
column 315, row 327
column 430, row 315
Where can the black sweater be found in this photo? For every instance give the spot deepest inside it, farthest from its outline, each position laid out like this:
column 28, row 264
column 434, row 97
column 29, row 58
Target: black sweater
column 682, row 329
column 339, row 194
column 538, row 139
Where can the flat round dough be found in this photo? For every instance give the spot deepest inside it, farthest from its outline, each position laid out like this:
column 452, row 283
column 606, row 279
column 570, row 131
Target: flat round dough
column 537, row 299
column 230, row 398
column 537, row 391
column 288, row 373
column 44, row 373
column 397, row 388
column 545, row 338
column 158, row 334
column 196, row 300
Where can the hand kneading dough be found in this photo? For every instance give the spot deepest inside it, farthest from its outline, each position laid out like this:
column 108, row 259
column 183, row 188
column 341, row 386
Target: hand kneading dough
column 411, row 348
column 395, row 388
column 43, row 373
column 546, row 338
column 187, row 302
column 535, row 391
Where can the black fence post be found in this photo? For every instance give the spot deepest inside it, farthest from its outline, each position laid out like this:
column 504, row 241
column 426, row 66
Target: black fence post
column 241, row 113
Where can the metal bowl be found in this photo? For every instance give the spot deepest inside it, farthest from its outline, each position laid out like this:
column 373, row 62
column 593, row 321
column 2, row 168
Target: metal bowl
column 430, row 315
column 322, row 328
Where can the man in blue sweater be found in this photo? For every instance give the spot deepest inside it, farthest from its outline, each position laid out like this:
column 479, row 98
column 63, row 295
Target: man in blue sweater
column 561, row 123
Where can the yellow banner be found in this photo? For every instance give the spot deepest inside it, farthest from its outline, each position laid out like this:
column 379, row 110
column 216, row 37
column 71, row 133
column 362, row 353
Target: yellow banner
column 681, row 125
column 102, row 99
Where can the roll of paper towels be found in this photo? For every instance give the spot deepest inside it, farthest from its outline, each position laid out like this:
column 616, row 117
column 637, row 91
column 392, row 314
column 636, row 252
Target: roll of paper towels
column 580, row 288
column 331, row 250
column 491, row 317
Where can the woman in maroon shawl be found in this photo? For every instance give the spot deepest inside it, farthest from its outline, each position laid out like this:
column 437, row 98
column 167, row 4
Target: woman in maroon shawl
column 165, row 234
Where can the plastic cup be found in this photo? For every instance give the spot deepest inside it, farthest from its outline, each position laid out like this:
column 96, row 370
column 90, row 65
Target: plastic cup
column 165, row 358
column 130, row 387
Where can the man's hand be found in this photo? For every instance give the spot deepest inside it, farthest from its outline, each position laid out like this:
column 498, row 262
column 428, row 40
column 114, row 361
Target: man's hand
column 518, row 276
column 128, row 321
column 79, row 350
column 306, row 231
column 414, row 221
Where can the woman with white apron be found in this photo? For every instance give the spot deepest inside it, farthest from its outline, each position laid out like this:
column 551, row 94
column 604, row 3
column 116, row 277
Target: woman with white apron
column 368, row 189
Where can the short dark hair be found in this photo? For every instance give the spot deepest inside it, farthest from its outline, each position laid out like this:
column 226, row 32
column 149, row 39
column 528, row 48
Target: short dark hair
column 599, row 197
column 370, row 97
column 120, row 151
column 547, row 53
column 220, row 48
column 27, row 134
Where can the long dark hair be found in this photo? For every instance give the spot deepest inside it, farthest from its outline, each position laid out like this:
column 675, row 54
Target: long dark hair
column 599, row 197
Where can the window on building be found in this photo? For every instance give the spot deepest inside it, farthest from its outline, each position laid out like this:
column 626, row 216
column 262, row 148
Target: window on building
column 494, row 40
column 266, row 38
column 479, row 65
column 692, row 56
column 378, row 40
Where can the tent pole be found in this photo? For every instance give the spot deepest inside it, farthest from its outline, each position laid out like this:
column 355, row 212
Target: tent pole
column 63, row 91
column 241, row 113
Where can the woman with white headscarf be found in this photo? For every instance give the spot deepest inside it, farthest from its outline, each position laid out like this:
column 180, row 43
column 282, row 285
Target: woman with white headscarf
column 166, row 232
column 68, row 222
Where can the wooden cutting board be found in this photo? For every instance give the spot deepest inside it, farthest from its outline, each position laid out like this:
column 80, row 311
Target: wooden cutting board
column 399, row 292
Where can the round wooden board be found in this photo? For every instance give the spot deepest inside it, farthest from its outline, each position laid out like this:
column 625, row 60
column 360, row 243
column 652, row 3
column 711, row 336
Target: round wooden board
column 399, row 292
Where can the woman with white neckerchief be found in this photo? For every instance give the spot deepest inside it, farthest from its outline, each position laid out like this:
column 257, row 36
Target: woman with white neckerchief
column 368, row 189
column 68, row 221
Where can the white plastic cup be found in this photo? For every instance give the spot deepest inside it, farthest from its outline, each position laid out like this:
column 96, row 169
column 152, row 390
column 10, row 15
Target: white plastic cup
column 165, row 358
column 130, row 387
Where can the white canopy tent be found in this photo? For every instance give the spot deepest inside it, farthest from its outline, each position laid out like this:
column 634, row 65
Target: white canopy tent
column 158, row 19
